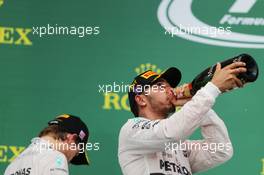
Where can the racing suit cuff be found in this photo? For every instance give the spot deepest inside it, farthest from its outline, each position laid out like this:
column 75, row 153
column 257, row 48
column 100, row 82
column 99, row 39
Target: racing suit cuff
column 212, row 89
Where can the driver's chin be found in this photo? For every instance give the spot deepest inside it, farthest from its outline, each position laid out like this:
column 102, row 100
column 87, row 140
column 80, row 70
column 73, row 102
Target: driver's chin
column 170, row 108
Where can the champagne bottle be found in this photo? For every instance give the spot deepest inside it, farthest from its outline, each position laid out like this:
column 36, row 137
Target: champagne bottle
column 188, row 90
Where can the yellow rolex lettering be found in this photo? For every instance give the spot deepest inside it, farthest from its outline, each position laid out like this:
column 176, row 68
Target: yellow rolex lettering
column 111, row 99
column 16, row 151
column 1, row 2
column 3, row 155
column 6, row 35
column 17, row 36
column 124, row 101
column 23, row 36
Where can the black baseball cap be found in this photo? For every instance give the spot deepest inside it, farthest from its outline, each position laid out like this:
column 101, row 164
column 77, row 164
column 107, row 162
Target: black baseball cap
column 171, row 75
column 74, row 125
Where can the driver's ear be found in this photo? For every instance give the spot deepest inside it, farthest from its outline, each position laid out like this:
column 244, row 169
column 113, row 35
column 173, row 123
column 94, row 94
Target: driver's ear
column 141, row 100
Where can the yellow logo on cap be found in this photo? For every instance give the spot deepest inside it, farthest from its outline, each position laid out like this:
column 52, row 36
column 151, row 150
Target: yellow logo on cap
column 148, row 74
column 64, row 116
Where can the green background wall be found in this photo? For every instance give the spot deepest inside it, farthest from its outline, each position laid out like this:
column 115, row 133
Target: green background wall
column 60, row 74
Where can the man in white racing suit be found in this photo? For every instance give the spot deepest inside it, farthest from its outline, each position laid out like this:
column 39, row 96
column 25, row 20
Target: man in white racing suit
column 57, row 144
column 156, row 141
